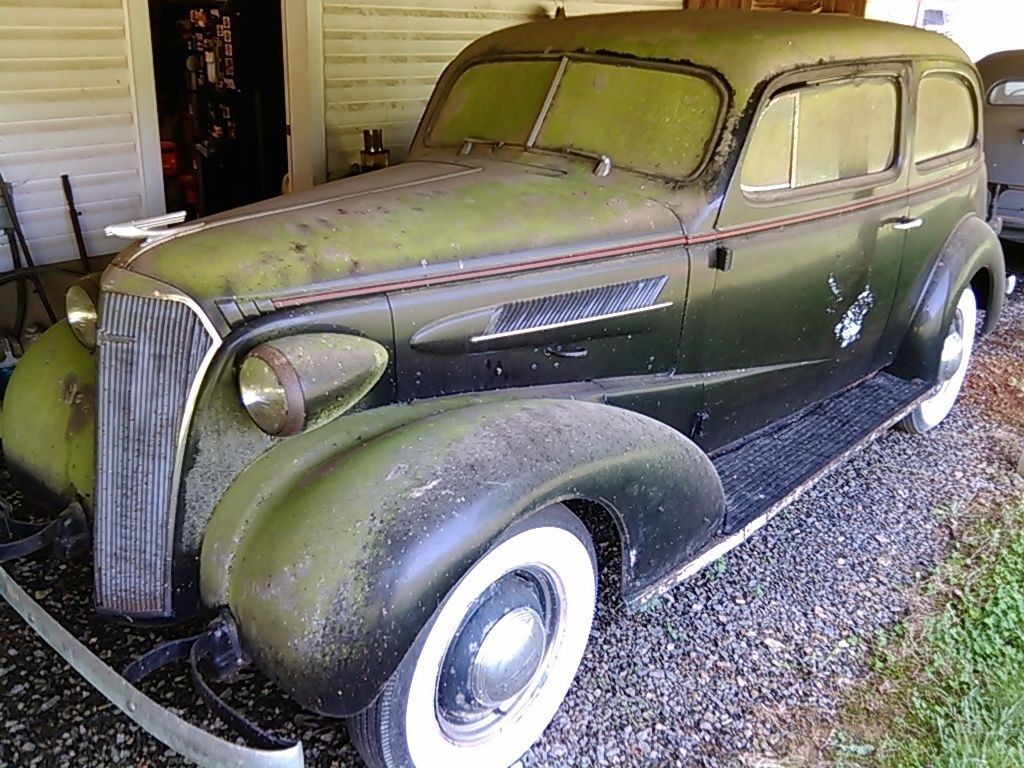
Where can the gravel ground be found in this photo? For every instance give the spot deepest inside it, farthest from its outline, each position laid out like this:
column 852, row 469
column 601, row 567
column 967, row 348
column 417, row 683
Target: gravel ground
column 717, row 673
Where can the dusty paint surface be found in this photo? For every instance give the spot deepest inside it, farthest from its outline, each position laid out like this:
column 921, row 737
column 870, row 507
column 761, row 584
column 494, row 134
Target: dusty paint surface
column 331, row 582
column 499, row 209
column 771, row 42
column 49, row 421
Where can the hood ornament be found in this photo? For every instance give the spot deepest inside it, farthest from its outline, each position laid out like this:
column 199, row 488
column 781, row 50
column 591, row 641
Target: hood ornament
column 154, row 228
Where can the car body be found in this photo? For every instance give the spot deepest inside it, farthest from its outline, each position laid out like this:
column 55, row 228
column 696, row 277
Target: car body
column 619, row 256
column 1003, row 76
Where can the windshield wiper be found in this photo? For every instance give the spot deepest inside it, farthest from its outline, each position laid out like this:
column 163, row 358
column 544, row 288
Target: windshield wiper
column 604, row 162
column 468, row 144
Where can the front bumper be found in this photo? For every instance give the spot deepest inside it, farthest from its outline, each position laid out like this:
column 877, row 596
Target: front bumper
column 191, row 742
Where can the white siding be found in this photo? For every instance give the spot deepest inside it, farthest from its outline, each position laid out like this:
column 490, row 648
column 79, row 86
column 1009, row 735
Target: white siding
column 382, row 58
column 67, row 106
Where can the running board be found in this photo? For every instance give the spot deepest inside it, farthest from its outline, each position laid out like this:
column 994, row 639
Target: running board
column 766, row 472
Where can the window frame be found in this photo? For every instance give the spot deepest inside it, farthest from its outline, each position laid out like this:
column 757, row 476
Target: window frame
column 724, row 104
column 891, row 70
column 957, row 156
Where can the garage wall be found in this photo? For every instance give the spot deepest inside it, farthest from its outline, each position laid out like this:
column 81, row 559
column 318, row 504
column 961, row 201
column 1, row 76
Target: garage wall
column 382, row 58
column 68, row 105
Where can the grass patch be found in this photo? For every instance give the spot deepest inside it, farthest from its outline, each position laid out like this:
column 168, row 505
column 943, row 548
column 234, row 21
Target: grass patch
column 948, row 687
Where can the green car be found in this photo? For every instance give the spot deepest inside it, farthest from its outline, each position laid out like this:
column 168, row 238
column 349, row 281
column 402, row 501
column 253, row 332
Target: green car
column 655, row 272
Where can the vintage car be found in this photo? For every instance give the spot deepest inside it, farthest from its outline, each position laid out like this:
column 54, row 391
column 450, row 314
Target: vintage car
column 1003, row 78
column 650, row 271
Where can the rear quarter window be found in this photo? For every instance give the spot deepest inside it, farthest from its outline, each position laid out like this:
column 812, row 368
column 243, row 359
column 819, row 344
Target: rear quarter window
column 947, row 116
column 1010, row 93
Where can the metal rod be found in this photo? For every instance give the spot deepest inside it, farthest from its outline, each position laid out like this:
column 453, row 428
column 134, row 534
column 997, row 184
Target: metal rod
column 8, row 199
column 76, row 225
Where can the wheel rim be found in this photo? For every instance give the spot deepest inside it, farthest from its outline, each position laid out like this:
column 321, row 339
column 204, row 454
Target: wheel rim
column 953, row 363
column 496, row 661
column 559, row 569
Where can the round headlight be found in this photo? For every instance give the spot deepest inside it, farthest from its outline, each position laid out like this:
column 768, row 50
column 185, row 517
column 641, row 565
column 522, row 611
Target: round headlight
column 270, row 394
column 81, row 312
column 299, row 382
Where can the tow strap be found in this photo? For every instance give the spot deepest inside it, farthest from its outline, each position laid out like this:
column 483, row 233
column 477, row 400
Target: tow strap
column 217, row 650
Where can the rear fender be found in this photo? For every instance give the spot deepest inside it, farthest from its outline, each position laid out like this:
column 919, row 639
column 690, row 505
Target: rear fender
column 331, row 585
column 972, row 256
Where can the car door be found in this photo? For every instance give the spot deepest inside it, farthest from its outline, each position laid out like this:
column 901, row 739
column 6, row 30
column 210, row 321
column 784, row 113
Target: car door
column 807, row 248
column 947, row 179
column 617, row 316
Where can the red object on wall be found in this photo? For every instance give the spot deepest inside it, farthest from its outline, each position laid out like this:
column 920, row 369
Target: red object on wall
column 169, row 158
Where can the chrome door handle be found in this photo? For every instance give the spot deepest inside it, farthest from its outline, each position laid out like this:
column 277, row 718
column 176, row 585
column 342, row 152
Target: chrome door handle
column 903, row 223
column 556, row 350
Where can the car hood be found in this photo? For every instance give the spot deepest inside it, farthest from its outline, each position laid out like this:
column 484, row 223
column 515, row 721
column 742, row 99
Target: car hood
column 417, row 221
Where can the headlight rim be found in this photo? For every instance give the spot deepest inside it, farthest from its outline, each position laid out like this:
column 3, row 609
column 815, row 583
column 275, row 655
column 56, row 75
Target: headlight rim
column 84, row 318
column 288, row 379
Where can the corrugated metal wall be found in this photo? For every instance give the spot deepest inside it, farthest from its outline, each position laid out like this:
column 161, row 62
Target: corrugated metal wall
column 382, row 58
column 66, row 106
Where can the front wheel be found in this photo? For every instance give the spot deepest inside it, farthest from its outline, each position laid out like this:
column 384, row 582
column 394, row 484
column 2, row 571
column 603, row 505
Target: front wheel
column 490, row 670
column 956, row 355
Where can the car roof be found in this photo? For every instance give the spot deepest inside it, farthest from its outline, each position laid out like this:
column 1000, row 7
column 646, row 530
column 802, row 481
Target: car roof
column 745, row 47
column 1002, row 65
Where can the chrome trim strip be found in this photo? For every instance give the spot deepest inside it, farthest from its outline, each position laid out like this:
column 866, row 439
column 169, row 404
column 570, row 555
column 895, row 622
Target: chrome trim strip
column 567, row 323
column 192, row 742
column 732, row 541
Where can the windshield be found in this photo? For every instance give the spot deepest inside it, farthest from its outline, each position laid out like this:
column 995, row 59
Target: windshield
column 658, row 121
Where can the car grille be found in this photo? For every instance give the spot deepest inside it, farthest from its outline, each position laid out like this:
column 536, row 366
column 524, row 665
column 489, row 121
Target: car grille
column 150, row 354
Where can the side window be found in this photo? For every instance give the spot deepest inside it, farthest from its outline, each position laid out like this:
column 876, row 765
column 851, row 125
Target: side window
column 947, row 117
column 1009, row 93
column 823, row 133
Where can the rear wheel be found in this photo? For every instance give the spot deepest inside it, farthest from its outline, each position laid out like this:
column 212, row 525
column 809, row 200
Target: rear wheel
column 491, row 668
column 956, row 356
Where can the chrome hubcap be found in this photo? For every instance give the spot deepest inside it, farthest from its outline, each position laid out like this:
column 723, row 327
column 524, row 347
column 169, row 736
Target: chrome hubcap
column 952, row 350
column 496, row 661
column 508, row 657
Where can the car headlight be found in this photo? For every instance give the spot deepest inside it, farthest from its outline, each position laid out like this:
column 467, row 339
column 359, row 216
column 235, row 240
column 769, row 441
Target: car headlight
column 80, row 308
column 294, row 384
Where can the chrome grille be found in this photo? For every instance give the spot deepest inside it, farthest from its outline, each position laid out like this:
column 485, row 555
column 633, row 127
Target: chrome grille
column 150, row 353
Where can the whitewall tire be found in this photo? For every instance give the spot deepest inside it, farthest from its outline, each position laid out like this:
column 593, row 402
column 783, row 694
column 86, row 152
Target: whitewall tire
column 490, row 670
column 956, row 356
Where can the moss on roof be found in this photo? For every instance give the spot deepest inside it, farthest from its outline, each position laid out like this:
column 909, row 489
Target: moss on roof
column 744, row 46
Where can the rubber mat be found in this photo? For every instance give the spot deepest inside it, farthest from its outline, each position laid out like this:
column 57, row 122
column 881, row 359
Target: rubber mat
column 773, row 466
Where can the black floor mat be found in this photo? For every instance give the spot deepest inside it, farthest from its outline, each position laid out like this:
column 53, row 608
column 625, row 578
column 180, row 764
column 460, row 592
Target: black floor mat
column 761, row 471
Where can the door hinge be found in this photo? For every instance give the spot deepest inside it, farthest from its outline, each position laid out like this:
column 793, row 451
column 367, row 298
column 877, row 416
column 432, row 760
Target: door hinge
column 722, row 258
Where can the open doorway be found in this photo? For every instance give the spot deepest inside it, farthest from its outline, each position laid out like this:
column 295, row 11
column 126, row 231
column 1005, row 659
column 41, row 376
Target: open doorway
column 219, row 70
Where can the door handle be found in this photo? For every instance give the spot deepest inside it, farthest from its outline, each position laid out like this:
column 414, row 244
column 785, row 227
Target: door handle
column 556, row 350
column 903, row 223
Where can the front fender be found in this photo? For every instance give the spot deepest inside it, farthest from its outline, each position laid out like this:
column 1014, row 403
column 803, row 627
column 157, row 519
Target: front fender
column 49, row 419
column 331, row 586
column 971, row 251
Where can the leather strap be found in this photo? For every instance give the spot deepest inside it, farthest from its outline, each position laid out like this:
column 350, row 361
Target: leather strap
column 199, row 649
column 67, row 533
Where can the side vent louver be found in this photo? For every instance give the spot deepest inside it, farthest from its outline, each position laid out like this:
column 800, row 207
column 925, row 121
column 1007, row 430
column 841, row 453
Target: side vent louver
column 606, row 301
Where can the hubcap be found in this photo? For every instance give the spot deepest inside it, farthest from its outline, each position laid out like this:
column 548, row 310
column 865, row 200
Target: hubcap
column 952, row 349
column 508, row 657
column 496, row 660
